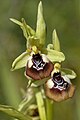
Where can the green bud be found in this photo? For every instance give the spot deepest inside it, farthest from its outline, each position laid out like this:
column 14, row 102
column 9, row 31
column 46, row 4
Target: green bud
column 33, row 110
column 41, row 27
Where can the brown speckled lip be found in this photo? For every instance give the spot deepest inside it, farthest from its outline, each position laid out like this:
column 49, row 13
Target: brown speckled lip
column 40, row 74
column 59, row 96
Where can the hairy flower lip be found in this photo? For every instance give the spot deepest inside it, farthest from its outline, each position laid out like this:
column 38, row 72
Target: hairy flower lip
column 60, row 96
column 56, row 90
column 33, row 70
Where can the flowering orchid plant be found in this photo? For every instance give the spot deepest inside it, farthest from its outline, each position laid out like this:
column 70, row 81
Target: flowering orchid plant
column 42, row 69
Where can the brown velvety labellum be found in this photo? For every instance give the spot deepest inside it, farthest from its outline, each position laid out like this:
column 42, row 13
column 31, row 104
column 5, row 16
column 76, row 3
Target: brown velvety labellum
column 39, row 74
column 59, row 96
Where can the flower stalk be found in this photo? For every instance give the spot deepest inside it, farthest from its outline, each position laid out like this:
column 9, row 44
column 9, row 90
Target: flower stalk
column 49, row 109
column 41, row 106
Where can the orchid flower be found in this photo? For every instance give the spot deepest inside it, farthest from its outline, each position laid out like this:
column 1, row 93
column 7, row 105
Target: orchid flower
column 43, row 63
column 59, row 86
column 38, row 59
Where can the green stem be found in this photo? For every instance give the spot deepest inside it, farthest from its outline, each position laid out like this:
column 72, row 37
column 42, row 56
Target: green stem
column 49, row 109
column 41, row 106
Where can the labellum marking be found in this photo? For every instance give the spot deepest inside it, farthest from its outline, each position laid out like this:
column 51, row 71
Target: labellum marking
column 38, row 63
column 59, row 82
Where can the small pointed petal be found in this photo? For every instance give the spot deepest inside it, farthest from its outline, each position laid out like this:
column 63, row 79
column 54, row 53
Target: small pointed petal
column 16, row 22
column 20, row 61
column 41, row 27
column 28, row 33
column 27, row 28
column 55, row 41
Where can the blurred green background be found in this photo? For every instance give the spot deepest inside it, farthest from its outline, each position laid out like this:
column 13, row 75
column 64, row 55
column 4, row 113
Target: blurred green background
column 64, row 16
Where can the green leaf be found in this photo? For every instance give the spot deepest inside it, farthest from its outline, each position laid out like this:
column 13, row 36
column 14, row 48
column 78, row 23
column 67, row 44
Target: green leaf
column 68, row 72
column 55, row 56
column 41, row 27
column 14, row 113
column 55, row 41
column 20, row 61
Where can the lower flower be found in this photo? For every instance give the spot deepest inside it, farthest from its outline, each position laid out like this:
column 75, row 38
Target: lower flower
column 59, row 88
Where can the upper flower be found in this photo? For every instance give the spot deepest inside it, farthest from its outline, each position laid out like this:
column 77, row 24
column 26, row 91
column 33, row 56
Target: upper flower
column 37, row 58
column 38, row 66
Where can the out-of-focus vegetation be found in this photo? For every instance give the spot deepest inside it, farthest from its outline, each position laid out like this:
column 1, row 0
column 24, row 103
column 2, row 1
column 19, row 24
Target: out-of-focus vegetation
column 62, row 15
